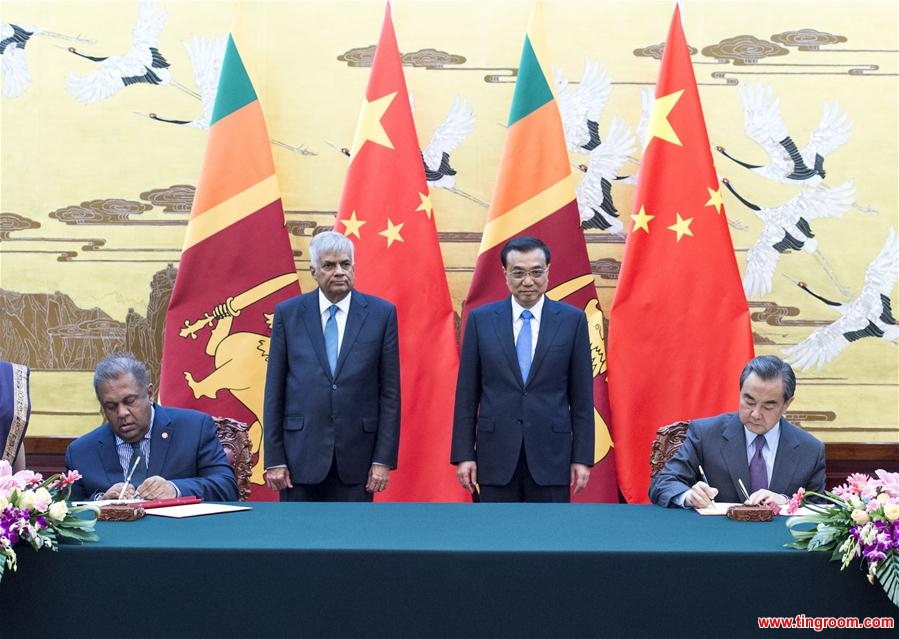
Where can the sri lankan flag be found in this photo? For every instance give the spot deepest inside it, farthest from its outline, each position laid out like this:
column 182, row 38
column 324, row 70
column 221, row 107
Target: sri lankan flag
column 236, row 264
column 534, row 195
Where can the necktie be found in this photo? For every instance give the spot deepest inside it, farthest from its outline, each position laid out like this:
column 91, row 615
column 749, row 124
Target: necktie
column 331, row 338
column 523, row 346
column 758, row 472
column 140, row 473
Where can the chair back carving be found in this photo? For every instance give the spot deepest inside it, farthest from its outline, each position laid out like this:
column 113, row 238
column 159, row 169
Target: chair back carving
column 668, row 439
column 236, row 442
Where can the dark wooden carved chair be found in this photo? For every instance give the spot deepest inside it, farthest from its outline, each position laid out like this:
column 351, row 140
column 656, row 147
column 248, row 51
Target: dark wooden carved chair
column 236, row 442
column 668, row 439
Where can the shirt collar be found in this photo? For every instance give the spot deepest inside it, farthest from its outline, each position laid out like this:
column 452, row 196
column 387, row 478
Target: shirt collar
column 324, row 303
column 771, row 437
column 536, row 310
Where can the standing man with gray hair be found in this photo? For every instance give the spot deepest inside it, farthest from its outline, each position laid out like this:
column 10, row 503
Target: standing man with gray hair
column 755, row 446
column 174, row 452
column 332, row 391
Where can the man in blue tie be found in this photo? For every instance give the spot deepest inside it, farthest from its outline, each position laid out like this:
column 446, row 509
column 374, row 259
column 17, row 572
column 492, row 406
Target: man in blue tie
column 756, row 446
column 523, row 425
column 332, row 390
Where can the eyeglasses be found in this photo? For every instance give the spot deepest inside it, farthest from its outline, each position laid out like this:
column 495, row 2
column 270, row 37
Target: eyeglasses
column 520, row 274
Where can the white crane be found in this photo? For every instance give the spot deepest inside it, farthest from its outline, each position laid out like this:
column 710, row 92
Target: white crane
column 786, row 227
column 13, row 40
column 787, row 163
column 448, row 135
column 142, row 64
column 869, row 315
column 580, row 109
column 594, row 193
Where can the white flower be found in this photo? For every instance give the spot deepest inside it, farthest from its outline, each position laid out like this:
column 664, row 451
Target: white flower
column 860, row 517
column 58, row 510
column 891, row 511
column 27, row 499
column 42, row 499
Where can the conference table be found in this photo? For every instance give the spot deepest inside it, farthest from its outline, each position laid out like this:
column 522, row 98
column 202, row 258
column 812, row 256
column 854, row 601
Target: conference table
column 430, row 570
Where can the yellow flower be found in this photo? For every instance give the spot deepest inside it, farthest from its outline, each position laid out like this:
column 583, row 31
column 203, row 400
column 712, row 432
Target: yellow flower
column 891, row 511
column 58, row 510
column 860, row 517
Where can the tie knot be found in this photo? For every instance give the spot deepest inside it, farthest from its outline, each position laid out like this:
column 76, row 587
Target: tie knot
column 526, row 315
column 332, row 310
column 135, row 446
column 759, row 442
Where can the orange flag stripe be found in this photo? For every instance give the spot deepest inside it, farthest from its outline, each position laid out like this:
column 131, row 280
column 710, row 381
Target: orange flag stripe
column 524, row 140
column 227, row 170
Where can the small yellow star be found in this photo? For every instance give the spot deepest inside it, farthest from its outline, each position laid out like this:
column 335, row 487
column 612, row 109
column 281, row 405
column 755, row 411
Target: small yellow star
column 369, row 127
column 715, row 199
column 353, row 225
column 392, row 232
column 425, row 205
column 641, row 220
column 659, row 126
column 682, row 227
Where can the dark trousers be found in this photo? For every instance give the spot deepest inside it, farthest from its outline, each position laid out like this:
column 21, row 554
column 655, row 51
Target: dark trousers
column 330, row 489
column 523, row 488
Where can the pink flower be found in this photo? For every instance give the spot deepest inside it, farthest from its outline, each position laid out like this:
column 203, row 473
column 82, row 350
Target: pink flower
column 795, row 501
column 69, row 478
column 861, row 484
column 889, row 482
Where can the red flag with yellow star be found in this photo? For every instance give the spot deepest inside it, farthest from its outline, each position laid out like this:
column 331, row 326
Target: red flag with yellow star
column 386, row 210
column 679, row 332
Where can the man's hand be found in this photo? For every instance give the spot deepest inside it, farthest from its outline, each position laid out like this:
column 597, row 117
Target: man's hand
column 156, row 487
column 580, row 475
column 764, row 497
column 700, row 495
column 467, row 472
column 115, row 491
column 378, row 475
column 278, row 478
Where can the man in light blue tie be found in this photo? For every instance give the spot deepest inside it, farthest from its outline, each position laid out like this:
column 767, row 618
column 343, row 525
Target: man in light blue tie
column 332, row 391
column 523, row 424
column 755, row 445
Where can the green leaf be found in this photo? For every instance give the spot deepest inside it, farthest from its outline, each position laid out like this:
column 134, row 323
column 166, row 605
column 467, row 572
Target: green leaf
column 888, row 576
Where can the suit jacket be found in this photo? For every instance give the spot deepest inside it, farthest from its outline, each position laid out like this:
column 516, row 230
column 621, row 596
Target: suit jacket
column 719, row 445
column 183, row 449
column 550, row 413
column 311, row 416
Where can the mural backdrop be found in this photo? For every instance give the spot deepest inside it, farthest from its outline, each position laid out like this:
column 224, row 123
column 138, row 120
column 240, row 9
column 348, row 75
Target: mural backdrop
column 100, row 157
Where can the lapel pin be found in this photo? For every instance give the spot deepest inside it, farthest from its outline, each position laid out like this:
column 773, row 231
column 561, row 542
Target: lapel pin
column 165, row 435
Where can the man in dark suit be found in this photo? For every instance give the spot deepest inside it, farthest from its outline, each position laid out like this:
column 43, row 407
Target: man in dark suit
column 174, row 452
column 523, row 425
column 755, row 446
column 332, row 391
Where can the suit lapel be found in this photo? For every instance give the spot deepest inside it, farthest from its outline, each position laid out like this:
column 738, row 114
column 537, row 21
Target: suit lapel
column 354, row 321
column 160, row 438
column 549, row 326
column 311, row 318
column 785, row 461
column 109, row 457
column 502, row 326
column 733, row 451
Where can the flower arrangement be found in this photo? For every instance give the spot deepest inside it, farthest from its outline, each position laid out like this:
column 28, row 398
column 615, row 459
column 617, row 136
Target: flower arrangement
column 857, row 519
column 34, row 509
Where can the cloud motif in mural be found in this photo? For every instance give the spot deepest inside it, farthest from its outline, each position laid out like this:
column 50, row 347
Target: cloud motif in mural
column 807, row 39
column 13, row 222
column 655, row 51
column 744, row 50
column 423, row 58
column 110, row 211
column 177, row 198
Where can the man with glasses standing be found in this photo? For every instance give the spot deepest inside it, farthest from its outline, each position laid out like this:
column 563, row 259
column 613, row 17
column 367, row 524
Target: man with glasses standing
column 523, row 425
column 332, row 391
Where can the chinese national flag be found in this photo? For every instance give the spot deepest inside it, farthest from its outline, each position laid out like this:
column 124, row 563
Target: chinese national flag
column 534, row 195
column 236, row 264
column 386, row 210
column 679, row 334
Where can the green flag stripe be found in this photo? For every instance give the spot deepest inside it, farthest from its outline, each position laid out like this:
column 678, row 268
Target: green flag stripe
column 235, row 90
column 531, row 90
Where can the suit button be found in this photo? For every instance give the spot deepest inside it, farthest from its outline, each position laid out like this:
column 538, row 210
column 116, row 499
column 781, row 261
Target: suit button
column 333, row 386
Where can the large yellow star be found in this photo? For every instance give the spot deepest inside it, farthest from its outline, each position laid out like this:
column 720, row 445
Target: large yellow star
column 682, row 227
column 715, row 199
column 392, row 232
column 353, row 225
column 369, row 126
column 659, row 126
column 641, row 220
column 425, row 205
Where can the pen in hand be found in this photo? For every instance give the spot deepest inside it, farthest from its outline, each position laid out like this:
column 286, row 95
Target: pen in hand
column 743, row 488
column 128, row 477
column 706, row 480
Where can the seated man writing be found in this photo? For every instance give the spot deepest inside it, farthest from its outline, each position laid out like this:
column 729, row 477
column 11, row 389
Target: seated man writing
column 755, row 446
column 174, row 452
